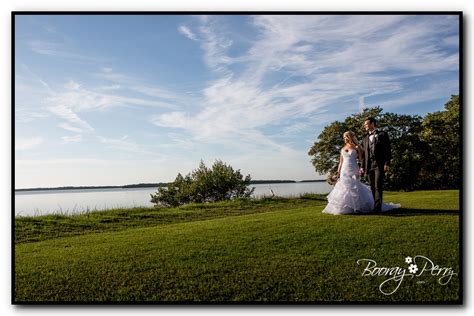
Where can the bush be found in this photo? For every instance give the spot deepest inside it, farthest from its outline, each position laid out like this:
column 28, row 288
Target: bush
column 218, row 183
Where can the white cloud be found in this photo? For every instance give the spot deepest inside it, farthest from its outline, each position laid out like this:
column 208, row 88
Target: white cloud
column 155, row 92
column 75, row 99
column 451, row 40
column 58, row 49
column 38, row 79
column 293, row 73
column 174, row 120
column 72, row 85
column 45, row 48
column 110, row 87
column 27, row 115
column 434, row 91
column 67, row 161
column 27, row 143
column 109, row 74
column 122, row 144
column 126, row 82
column 295, row 128
column 215, row 46
column 70, row 128
column 72, row 139
column 323, row 62
column 64, row 111
column 187, row 32
column 70, row 101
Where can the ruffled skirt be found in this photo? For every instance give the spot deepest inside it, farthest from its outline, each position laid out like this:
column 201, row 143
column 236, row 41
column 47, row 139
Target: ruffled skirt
column 349, row 196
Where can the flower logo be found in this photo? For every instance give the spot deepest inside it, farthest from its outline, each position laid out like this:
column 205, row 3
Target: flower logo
column 408, row 260
column 413, row 268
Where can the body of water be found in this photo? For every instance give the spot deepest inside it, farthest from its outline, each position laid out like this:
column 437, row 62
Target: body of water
column 29, row 203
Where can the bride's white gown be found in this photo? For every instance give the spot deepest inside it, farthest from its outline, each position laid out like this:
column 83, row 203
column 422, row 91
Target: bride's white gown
column 349, row 194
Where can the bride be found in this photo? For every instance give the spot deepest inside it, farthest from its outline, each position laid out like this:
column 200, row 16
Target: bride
column 349, row 195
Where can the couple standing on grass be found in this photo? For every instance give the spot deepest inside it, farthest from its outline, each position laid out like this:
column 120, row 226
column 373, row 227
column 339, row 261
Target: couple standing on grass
column 351, row 196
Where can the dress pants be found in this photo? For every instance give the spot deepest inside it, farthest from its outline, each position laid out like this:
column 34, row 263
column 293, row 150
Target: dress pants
column 376, row 176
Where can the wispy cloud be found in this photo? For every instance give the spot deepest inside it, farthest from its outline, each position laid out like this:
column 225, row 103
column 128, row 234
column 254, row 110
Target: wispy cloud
column 299, row 66
column 72, row 139
column 66, row 113
column 183, row 29
column 263, row 90
column 73, row 162
column 37, row 78
column 70, row 128
column 295, row 128
column 24, row 115
column 156, row 92
column 432, row 92
column 215, row 45
column 62, row 50
column 28, row 143
column 74, row 99
column 126, row 145
column 121, row 81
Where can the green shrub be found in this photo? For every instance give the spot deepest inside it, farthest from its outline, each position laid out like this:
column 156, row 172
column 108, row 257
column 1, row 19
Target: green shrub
column 218, row 183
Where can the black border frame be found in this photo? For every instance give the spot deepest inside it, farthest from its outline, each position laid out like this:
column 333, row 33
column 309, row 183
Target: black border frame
column 462, row 202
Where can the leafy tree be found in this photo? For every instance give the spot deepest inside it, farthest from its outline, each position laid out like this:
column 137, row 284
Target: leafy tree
column 403, row 130
column 408, row 151
column 218, row 183
column 441, row 130
column 425, row 151
column 326, row 150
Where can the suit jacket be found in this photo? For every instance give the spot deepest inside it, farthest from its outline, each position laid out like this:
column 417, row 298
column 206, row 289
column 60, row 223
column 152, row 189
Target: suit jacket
column 382, row 151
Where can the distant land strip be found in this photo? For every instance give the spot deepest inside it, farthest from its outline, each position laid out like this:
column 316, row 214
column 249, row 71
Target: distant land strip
column 149, row 185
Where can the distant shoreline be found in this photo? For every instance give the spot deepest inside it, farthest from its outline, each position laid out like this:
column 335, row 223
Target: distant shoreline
column 148, row 185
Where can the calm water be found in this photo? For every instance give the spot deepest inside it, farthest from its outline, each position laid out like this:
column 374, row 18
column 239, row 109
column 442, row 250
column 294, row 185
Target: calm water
column 76, row 201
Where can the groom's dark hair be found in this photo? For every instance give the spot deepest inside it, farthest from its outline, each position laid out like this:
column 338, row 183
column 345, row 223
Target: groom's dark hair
column 371, row 120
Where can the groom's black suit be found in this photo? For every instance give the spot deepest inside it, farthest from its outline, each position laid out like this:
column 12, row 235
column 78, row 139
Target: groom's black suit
column 375, row 155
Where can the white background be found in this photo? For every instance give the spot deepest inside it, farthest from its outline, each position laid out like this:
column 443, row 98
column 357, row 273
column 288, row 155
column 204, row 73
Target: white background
column 467, row 6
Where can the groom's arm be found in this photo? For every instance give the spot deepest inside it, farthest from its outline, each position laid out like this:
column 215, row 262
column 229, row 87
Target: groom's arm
column 388, row 151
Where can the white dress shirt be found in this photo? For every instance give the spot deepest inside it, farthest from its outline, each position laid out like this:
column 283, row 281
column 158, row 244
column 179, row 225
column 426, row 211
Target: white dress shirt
column 371, row 136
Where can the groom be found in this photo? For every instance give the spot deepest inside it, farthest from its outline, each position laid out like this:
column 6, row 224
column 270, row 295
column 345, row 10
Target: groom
column 375, row 159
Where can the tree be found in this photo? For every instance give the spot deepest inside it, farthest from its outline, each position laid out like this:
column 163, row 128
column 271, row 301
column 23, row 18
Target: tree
column 403, row 130
column 425, row 151
column 441, row 130
column 326, row 150
column 218, row 183
column 408, row 151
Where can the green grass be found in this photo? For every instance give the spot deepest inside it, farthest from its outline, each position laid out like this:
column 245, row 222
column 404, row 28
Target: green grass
column 37, row 228
column 281, row 250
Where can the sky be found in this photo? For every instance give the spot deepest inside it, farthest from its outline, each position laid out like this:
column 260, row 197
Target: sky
column 113, row 100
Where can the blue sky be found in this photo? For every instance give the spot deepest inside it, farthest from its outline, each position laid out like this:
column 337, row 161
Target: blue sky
column 111, row 100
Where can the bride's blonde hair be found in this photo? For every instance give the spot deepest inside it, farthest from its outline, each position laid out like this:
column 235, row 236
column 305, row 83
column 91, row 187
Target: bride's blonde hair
column 351, row 139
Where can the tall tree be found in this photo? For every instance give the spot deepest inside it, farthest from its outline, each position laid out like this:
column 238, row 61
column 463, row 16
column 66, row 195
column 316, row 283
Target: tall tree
column 441, row 130
column 408, row 151
column 404, row 132
column 326, row 150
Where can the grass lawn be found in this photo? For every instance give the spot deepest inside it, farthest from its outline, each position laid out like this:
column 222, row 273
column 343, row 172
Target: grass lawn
column 272, row 250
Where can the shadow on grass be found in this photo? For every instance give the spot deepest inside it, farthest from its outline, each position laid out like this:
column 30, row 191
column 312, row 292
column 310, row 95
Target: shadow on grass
column 417, row 212
column 408, row 212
